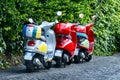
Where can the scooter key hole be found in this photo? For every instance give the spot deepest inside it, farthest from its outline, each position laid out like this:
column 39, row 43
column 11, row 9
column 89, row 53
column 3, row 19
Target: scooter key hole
column 47, row 35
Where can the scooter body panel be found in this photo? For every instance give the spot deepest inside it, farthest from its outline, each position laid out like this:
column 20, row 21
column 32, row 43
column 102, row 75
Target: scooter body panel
column 38, row 47
column 50, row 41
column 40, row 44
column 66, row 45
column 67, row 39
column 91, row 41
column 88, row 36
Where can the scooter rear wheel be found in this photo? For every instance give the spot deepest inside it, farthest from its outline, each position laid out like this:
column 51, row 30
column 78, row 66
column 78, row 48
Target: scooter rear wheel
column 29, row 66
column 70, row 61
column 47, row 65
column 77, row 59
column 64, row 60
column 58, row 62
column 67, row 55
column 88, row 58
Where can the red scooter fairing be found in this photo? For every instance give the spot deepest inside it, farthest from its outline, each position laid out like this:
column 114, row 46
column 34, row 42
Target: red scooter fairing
column 85, row 42
column 66, row 43
column 65, row 37
column 90, row 35
column 88, row 26
column 91, row 41
column 63, row 28
column 83, row 29
column 79, row 28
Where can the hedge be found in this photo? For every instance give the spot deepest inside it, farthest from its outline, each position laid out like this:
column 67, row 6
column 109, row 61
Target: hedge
column 14, row 13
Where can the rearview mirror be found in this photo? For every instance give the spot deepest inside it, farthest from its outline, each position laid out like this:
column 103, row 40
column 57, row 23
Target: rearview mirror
column 94, row 17
column 31, row 20
column 59, row 13
column 81, row 15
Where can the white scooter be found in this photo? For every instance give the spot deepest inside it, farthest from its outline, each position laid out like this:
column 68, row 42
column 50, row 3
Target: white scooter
column 39, row 46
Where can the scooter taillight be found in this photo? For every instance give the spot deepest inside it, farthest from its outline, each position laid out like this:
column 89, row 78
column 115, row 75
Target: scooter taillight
column 31, row 43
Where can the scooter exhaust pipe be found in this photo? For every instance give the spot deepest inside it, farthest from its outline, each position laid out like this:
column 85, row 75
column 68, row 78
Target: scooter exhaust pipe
column 82, row 55
column 36, row 61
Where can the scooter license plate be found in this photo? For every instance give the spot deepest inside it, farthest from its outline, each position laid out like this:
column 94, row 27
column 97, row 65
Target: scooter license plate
column 28, row 56
column 58, row 53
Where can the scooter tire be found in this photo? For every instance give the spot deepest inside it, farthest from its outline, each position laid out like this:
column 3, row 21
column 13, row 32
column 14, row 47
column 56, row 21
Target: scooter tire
column 29, row 66
column 58, row 62
column 88, row 58
column 64, row 60
column 77, row 59
column 70, row 61
column 47, row 65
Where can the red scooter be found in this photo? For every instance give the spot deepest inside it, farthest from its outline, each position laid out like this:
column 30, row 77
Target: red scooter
column 85, row 42
column 65, row 43
column 73, row 42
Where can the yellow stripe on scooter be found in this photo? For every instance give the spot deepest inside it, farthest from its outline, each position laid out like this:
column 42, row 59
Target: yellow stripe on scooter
column 43, row 47
column 38, row 33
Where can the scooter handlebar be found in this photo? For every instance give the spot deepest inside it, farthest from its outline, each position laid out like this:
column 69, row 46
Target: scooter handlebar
column 50, row 24
column 47, row 24
column 85, row 25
